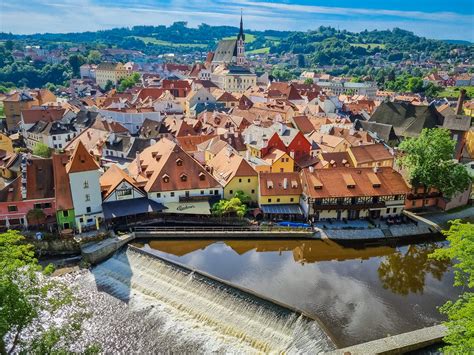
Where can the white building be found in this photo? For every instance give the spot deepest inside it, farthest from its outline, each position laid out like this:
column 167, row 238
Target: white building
column 84, row 175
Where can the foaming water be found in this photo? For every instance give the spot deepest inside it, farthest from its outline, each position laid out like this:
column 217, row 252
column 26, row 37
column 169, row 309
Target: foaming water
column 186, row 312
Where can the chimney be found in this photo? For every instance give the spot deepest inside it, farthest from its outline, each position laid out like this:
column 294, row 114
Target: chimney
column 311, row 169
column 285, row 183
column 462, row 97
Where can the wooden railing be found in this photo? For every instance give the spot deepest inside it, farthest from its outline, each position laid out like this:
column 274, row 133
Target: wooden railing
column 253, row 229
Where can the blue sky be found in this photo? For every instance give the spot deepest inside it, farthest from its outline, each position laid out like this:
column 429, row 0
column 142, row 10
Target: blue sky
column 434, row 19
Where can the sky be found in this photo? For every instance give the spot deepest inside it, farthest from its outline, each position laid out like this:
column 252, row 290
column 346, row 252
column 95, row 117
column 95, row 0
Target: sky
column 447, row 19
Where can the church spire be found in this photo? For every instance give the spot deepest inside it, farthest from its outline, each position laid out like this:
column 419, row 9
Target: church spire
column 241, row 32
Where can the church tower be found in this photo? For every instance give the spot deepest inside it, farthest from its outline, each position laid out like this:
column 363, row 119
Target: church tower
column 241, row 44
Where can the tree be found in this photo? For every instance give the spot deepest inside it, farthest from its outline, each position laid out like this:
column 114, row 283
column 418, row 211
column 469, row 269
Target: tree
column 75, row 61
column 129, row 82
column 429, row 162
column 28, row 298
column 414, row 84
column 108, row 85
column 308, row 81
column 94, row 57
column 9, row 45
column 432, row 90
column 460, row 324
column 42, row 150
column 233, row 206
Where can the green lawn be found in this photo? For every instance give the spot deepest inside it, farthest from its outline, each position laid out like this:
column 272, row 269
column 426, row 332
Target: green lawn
column 2, row 113
column 264, row 50
column 159, row 42
column 366, row 45
column 453, row 91
column 249, row 38
column 273, row 38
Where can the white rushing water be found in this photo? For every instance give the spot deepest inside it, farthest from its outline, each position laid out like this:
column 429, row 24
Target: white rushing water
column 169, row 309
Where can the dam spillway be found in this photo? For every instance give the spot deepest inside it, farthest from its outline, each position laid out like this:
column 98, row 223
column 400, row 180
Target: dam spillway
column 223, row 318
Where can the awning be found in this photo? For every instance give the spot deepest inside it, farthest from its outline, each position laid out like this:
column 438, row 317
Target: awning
column 130, row 207
column 191, row 207
column 282, row 209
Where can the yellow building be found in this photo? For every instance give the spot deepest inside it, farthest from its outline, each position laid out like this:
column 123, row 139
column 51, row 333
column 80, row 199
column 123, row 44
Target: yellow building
column 6, row 143
column 18, row 101
column 469, row 148
column 469, row 109
column 279, row 188
column 276, row 161
column 113, row 72
column 234, row 173
column 370, row 155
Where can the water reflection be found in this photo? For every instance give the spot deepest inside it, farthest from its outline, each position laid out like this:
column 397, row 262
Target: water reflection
column 304, row 251
column 341, row 285
column 405, row 272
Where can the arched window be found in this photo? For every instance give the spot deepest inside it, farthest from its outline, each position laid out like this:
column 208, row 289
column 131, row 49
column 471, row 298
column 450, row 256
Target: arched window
column 184, row 177
column 166, row 178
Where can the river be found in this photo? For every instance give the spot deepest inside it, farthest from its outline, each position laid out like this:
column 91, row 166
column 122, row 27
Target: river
column 357, row 294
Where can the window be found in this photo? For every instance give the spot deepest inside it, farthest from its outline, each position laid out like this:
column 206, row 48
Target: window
column 216, row 192
column 292, row 199
column 202, row 192
column 88, row 197
column 54, row 138
column 184, row 177
column 66, row 213
column 37, row 206
column 88, row 209
column 394, row 210
column 172, row 194
column 240, row 180
column 81, row 220
column 179, row 162
column 248, row 180
column 269, row 200
column 158, row 194
column 12, row 208
column 253, row 191
column 278, row 200
column 388, row 210
column 166, row 178
column 86, row 184
column 124, row 192
column 47, row 205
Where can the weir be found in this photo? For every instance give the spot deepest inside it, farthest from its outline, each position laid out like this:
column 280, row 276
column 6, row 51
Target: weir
column 235, row 317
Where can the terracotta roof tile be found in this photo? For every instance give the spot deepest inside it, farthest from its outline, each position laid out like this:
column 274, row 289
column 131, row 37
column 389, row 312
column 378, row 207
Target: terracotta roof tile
column 81, row 160
column 325, row 183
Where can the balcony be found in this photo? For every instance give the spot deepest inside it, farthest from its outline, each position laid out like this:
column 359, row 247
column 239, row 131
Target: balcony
column 363, row 206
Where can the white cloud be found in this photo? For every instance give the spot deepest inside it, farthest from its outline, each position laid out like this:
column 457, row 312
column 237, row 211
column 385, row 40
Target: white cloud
column 83, row 15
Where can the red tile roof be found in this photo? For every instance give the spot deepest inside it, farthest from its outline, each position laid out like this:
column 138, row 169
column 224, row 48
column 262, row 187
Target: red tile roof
column 324, row 183
column 81, row 160
column 62, row 188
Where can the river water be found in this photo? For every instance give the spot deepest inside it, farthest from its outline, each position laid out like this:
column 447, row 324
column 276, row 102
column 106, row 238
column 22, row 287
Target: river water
column 141, row 304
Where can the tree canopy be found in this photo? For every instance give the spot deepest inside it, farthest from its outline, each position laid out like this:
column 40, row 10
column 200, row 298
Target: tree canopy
column 42, row 150
column 129, row 82
column 27, row 297
column 460, row 324
column 429, row 162
column 234, row 206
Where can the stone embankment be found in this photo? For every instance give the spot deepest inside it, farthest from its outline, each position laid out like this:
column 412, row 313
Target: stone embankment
column 94, row 253
column 397, row 344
